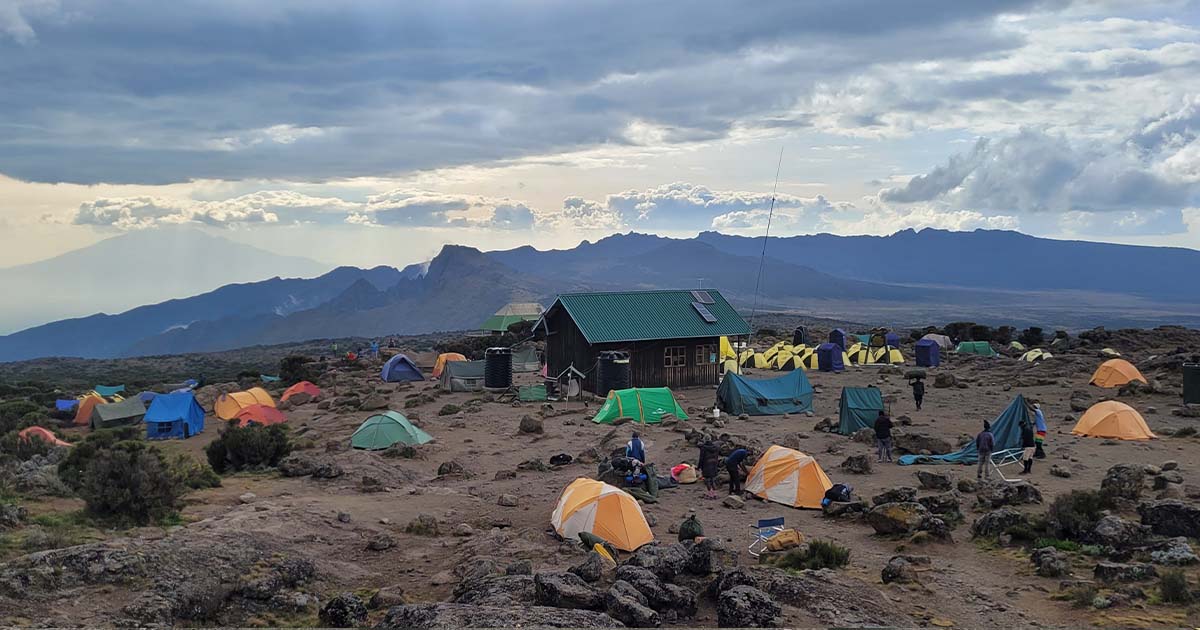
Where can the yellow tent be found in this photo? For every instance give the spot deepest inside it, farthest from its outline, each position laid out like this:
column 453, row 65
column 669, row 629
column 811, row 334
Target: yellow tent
column 228, row 406
column 789, row 477
column 443, row 359
column 885, row 355
column 1037, row 354
column 86, row 404
column 807, row 359
column 1115, row 373
column 859, row 354
column 1113, row 420
column 1017, row 345
column 756, row 360
column 1109, row 352
column 606, row 511
column 727, row 349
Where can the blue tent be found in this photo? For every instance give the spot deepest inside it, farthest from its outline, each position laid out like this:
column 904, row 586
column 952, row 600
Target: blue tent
column 838, row 336
column 147, row 396
column 174, row 416
column 829, row 358
column 929, row 353
column 66, row 404
column 1006, row 427
column 399, row 369
column 893, row 340
column 791, row 393
column 858, row 409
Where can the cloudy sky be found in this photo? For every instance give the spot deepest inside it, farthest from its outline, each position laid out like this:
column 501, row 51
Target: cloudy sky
column 373, row 132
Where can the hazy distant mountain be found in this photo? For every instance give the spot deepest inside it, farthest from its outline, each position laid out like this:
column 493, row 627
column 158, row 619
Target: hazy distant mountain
column 133, row 269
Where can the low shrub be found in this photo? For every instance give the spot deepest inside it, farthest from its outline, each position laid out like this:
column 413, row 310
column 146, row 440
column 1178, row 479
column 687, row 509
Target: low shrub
column 1061, row 545
column 1074, row 515
column 74, row 466
column 295, row 368
column 820, row 554
column 1184, row 432
column 449, row 409
column 13, row 412
column 246, row 448
column 1081, row 596
column 193, row 474
column 130, row 482
column 1173, row 587
column 12, row 447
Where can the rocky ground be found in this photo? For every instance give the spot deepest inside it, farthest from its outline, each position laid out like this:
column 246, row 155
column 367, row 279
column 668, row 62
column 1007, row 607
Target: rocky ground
column 456, row 532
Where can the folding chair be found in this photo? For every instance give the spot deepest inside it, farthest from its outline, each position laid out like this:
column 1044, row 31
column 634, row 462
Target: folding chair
column 1007, row 457
column 765, row 529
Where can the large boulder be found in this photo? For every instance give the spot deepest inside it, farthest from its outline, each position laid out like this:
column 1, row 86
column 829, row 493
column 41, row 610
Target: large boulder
column 857, row 465
column 826, row 595
column 343, row 611
column 1114, row 531
column 1050, row 562
column 1175, row 551
column 897, row 518
column 531, row 424
column 626, row 604
column 469, row 616
column 997, row 522
column 497, row 590
column 920, row 443
column 935, row 480
column 904, row 569
column 895, row 495
column 668, row 599
column 12, row 515
column 1124, row 481
column 705, row 557
column 665, row 561
column 591, row 569
column 838, row 509
column 561, row 589
column 747, row 607
column 999, row 494
column 1171, row 517
column 946, row 504
column 1123, row 572
column 944, row 380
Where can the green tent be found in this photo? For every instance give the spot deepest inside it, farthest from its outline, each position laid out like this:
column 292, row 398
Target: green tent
column 128, row 411
column 646, row 405
column 383, row 430
column 859, row 408
column 981, row 348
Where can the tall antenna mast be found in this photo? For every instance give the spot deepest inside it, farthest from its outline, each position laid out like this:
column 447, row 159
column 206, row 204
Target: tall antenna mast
column 763, row 258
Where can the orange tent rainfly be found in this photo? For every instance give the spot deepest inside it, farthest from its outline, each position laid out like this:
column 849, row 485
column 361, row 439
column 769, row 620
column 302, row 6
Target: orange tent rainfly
column 1115, row 373
column 39, row 433
column 303, row 387
column 606, row 511
column 789, row 477
column 260, row 414
column 1113, row 420
column 228, row 406
column 443, row 359
column 84, row 414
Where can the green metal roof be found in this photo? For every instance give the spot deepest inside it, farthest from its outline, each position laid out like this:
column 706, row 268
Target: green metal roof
column 500, row 323
column 646, row 315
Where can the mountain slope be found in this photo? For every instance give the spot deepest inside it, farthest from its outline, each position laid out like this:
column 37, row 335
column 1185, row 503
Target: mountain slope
column 133, row 269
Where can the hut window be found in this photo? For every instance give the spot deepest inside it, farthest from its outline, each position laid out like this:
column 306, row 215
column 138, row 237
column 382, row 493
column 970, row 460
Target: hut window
column 675, row 356
column 706, row 355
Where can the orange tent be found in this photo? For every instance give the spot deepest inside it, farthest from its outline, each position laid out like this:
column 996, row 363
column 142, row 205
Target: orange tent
column 1115, row 373
column 789, row 477
column 228, row 405
column 41, row 434
column 595, row 507
column 443, row 359
column 301, row 387
column 84, row 414
column 260, row 414
column 1113, row 420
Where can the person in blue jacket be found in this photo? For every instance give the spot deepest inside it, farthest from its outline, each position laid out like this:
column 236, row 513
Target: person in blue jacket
column 735, row 465
column 636, row 449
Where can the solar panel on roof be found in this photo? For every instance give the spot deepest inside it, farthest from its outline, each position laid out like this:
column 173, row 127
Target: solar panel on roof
column 704, row 312
column 702, row 297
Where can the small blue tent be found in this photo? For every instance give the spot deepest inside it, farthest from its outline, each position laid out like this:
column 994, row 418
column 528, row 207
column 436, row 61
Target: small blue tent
column 929, row 353
column 174, row 416
column 829, row 358
column 838, row 336
column 1006, row 428
column 399, row 369
column 109, row 391
column 791, row 393
column 66, row 404
column 892, row 339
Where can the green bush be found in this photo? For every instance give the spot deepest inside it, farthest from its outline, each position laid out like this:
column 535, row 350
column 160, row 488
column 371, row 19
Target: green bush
column 1174, row 588
column 193, row 474
column 73, row 467
column 130, row 482
column 1061, row 545
column 1081, row 596
column 1184, row 432
column 1074, row 515
column 820, row 554
column 13, row 447
column 250, row 447
column 13, row 412
column 449, row 409
column 295, row 368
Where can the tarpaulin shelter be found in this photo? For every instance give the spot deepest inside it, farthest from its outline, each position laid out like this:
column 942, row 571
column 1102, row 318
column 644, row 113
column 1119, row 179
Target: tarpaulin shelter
column 260, row 414
column 831, row 358
column 838, row 336
column 928, row 353
column 400, row 369
column 303, row 387
column 791, row 393
column 443, row 359
column 1037, row 354
column 981, row 348
column 1115, row 373
column 227, row 406
column 789, row 477
column 463, row 376
column 800, row 336
column 858, row 408
column 40, row 433
column 1006, row 428
column 128, row 411
column 942, row 340
column 66, row 404
column 175, row 415
column 385, row 429
column 83, row 415
column 646, row 405
column 512, row 313
column 591, row 506
column 526, row 360
column 1113, row 420
column 109, row 390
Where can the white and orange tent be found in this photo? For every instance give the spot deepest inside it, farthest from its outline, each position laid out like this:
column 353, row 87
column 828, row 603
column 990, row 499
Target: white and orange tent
column 86, row 404
column 443, row 359
column 303, row 387
column 606, row 511
column 1115, row 373
column 1113, row 420
column 789, row 477
column 228, row 406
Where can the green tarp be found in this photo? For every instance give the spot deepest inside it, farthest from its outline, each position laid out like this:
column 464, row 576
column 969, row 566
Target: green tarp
column 462, row 376
column 108, row 391
column 981, row 348
column 383, row 430
column 646, row 405
column 1007, row 431
column 531, row 393
column 791, row 393
column 859, row 408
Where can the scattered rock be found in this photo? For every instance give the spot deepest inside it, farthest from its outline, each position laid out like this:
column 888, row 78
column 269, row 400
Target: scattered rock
column 344, row 611
column 519, row 567
column 247, row 497
column 904, row 569
column 1169, row 465
column 463, row 530
column 381, row 542
column 931, row 480
column 747, row 607
column 734, row 502
column 591, row 569
column 1059, row 471
column 945, row 380
column 1114, row 531
column 561, row 589
column 968, row 485
column 626, row 604
column 1175, row 551
column 1171, row 517
column 895, row 495
column 896, row 518
column 507, row 500
column 921, row 444
column 1050, row 562
column 857, row 464
column 1123, row 572
column 836, row 509
column 1124, row 481
column 423, row 525
column 373, row 402
column 946, row 504
column 343, row 517
column 471, row 616
column 531, row 424
column 387, row 597
column 997, row 522
column 999, row 494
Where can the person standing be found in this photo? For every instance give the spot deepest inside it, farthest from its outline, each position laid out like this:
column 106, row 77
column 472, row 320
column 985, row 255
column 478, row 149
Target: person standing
column 1040, row 427
column 710, row 464
column 985, row 443
column 883, row 437
column 735, row 465
column 1029, row 446
column 918, row 389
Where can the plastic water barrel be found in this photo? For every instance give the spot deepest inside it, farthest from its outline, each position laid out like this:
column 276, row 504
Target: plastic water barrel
column 612, row 371
column 1191, row 383
column 497, row 368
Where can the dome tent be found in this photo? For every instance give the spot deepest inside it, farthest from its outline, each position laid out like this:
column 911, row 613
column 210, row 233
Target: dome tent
column 303, row 387
column 385, row 429
column 1115, row 373
column 788, row 477
column 1113, row 420
column 400, row 369
column 227, row 406
column 587, row 505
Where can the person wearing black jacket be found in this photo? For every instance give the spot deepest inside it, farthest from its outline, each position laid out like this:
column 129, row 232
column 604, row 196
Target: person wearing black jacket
column 1029, row 445
column 918, row 387
column 883, row 437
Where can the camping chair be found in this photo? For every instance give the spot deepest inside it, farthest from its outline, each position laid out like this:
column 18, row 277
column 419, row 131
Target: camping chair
column 764, row 530
column 1007, row 457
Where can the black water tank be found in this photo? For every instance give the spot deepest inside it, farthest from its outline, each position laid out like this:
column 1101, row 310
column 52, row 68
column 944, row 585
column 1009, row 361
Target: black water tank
column 612, row 371
column 1191, row 383
column 497, row 368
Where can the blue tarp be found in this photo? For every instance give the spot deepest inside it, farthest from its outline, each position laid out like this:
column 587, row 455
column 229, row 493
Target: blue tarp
column 146, row 397
column 66, row 404
column 829, row 358
column 838, row 336
column 1006, row 427
column 929, row 353
column 267, row 378
column 858, row 409
column 399, row 369
column 174, row 416
column 109, row 390
column 893, row 340
column 791, row 393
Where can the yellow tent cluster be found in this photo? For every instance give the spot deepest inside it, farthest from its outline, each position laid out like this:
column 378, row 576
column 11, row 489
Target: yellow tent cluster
column 862, row 354
column 1037, row 354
